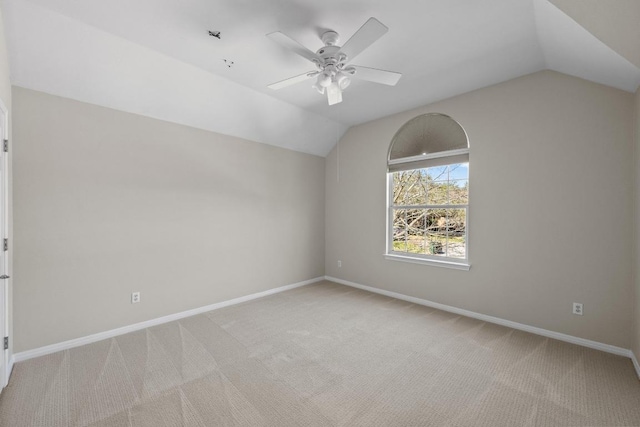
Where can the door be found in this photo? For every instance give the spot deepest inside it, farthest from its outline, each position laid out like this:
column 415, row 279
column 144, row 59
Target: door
column 4, row 283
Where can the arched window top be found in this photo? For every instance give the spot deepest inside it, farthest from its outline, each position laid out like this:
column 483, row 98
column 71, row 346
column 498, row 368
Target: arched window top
column 423, row 140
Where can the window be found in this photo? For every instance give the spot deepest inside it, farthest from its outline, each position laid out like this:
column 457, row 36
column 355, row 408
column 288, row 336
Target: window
column 428, row 204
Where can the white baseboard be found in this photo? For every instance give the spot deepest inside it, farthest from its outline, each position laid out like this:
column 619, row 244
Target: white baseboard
column 515, row 325
column 12, row 360
column 635, row 364
column 53, row 348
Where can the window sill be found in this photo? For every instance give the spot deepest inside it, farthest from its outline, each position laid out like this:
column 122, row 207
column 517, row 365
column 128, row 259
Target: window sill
column 432, row 262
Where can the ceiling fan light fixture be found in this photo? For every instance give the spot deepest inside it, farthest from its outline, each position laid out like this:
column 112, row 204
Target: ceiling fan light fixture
column 324, row 79
column 320, row 89
column 343, row 80
column 334, row 93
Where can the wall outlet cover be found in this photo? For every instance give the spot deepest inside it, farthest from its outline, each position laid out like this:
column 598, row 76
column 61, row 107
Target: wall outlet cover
column 578, row 309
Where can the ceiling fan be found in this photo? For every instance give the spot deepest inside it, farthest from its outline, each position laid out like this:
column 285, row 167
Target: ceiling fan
column 334, row 70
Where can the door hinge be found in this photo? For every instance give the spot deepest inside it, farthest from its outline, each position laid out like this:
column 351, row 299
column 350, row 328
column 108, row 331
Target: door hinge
column 5, row 146
column 6, row 343
column 6, row 245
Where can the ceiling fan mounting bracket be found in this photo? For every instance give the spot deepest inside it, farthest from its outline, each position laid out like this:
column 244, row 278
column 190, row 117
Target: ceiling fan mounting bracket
column 330, row 38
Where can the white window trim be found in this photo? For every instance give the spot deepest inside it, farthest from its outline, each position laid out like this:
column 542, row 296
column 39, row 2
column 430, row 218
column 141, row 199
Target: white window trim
column 416, row 259
column 391, row 255
column 437, row 155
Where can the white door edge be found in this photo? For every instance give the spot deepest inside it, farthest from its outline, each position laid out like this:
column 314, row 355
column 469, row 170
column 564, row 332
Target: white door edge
column 4, row 265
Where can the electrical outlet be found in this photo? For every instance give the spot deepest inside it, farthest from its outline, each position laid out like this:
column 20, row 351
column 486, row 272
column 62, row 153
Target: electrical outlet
column 577, row 308
column 135, row 297
column 339, row 264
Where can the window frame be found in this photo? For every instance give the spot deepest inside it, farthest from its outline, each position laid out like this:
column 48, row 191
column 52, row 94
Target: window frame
column 432, row 156
column 427, row 259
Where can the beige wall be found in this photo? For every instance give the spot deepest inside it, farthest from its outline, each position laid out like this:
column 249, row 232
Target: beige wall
column 550, row 207
column 5, row 84
column 107, row 203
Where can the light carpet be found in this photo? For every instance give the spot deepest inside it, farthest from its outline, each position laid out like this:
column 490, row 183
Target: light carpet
column 324, row 355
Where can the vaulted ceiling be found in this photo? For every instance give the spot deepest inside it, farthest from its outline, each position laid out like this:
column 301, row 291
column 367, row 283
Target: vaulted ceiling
column 156, row 58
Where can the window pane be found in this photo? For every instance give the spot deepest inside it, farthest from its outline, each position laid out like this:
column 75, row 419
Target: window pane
column 399, row 230
column 459, row 171
column 410, row 232
column 456, row 220
column 417, row 242
column 459, row 192
column 439, row 173
column 436, row 231
column 437, row 193
column 419, row 226
column 436, row 245
column 416, row 224
column 409, row 188
column 415, row 220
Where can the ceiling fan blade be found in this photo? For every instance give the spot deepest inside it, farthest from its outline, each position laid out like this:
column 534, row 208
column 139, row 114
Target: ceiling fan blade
column 371, row 31
column 286, row 41
column 292, row 80
column 377, row 76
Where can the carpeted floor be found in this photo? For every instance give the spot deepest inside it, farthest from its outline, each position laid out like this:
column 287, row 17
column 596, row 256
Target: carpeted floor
column 324, row 355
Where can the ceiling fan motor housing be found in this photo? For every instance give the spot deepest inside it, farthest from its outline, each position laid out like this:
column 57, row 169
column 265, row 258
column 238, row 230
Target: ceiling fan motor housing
column 328, row 53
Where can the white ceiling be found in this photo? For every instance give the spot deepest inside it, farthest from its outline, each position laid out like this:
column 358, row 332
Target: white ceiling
column 155, row 57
